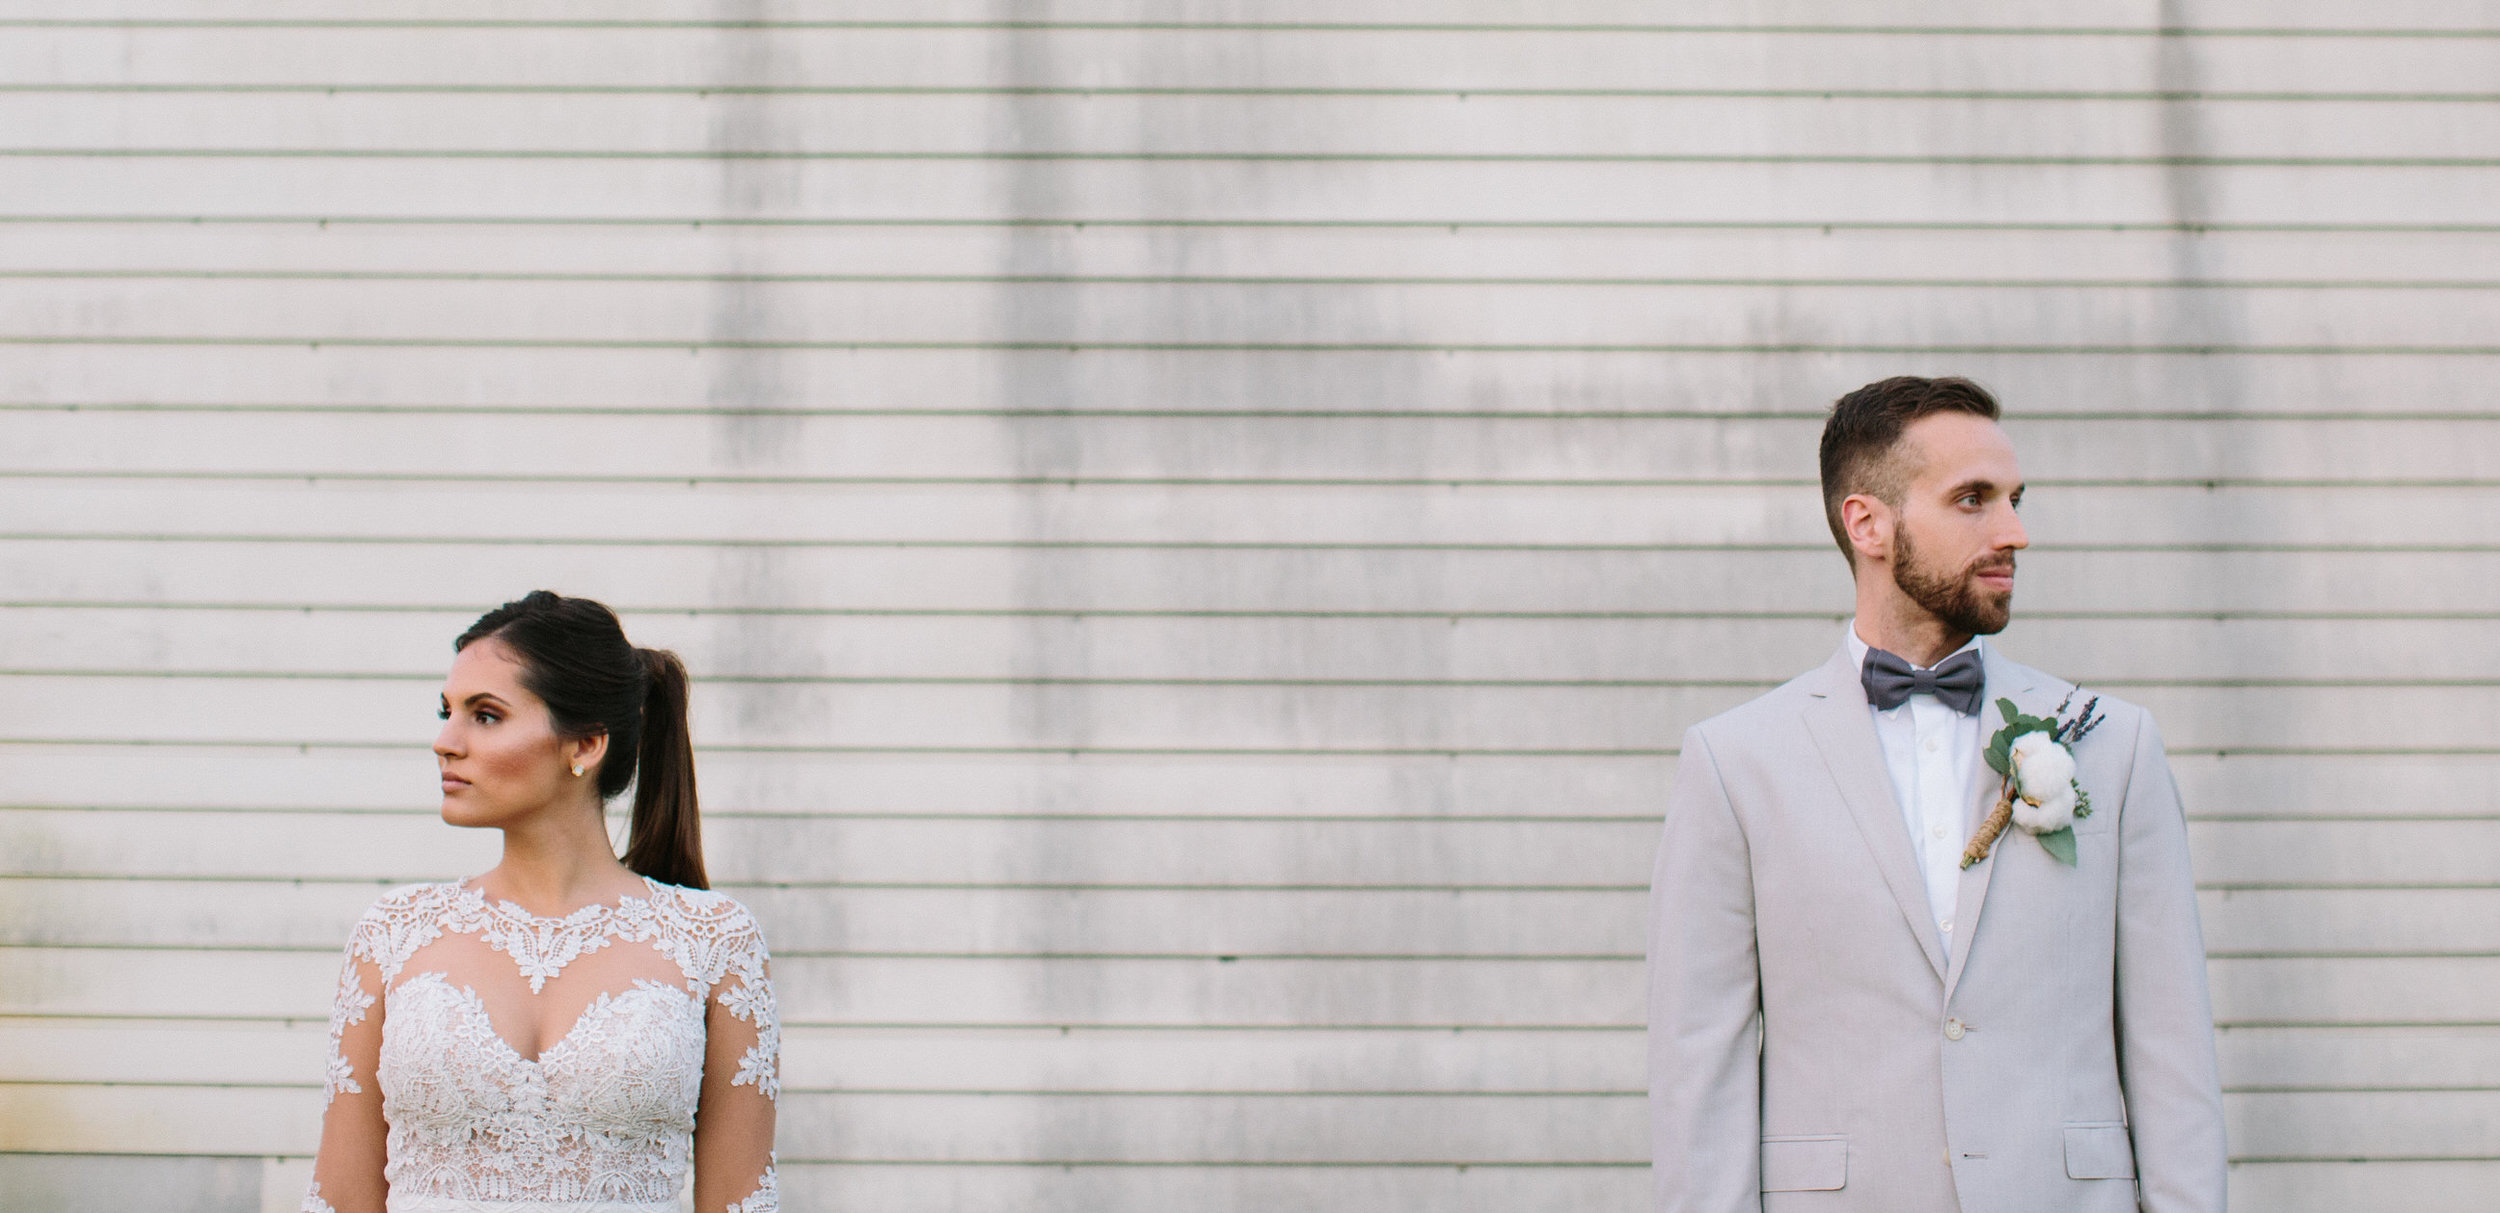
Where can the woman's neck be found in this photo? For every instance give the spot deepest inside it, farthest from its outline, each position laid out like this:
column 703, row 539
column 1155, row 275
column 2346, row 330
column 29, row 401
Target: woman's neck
column 557, row 863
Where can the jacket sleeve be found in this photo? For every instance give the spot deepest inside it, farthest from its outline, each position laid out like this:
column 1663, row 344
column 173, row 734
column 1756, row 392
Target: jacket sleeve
column 1705, row 1001
column 2165, row 1015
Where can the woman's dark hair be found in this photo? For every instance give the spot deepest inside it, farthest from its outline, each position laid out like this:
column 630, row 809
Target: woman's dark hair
column 575, row 657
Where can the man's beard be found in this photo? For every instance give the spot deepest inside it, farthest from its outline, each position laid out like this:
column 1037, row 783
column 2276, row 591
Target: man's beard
column 1954, row 598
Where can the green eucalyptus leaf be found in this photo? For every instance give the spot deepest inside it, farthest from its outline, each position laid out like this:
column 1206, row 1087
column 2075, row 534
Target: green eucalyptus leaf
column 2000, row 755
column 2060, row 844
column 2011, row 713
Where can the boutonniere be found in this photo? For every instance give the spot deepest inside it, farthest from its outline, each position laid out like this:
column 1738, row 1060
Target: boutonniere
column 2035, row 756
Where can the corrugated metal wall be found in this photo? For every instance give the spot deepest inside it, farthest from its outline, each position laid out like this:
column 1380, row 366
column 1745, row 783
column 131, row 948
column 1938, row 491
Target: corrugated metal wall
column 1200, row 525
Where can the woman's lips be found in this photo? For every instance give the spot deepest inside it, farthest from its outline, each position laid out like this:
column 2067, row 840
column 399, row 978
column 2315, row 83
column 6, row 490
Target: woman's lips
column 453, row 783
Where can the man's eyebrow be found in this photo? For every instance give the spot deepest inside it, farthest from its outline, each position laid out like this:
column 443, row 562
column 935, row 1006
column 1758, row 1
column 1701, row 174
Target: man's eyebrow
column 1980, row 484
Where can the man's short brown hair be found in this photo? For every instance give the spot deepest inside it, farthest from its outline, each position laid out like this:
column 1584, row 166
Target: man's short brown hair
column 1865, row 427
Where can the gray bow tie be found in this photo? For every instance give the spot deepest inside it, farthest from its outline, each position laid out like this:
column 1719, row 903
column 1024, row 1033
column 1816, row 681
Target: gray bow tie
column 1956, row 682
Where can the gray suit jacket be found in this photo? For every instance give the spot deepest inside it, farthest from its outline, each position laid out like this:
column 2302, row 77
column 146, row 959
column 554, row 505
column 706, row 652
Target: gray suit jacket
column 1811, row 1044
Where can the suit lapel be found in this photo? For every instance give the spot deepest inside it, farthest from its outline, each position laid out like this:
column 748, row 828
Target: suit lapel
column 1844, row 733
column 2005, row 681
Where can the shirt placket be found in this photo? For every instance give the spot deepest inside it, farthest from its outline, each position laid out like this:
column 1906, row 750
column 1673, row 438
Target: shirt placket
column 1932, row 741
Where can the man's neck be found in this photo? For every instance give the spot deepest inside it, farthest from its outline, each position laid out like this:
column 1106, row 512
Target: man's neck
column 1905, row 629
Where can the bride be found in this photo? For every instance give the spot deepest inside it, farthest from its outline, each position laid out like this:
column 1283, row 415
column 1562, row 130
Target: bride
column 566, row 1033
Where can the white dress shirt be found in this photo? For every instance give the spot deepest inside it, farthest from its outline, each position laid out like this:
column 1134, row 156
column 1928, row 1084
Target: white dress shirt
column 1930, row 751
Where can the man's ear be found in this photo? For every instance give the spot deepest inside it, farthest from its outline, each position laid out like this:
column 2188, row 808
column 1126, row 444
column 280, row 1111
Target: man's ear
column 1868, row 522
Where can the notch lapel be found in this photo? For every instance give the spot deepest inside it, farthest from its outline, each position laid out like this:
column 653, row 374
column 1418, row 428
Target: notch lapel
column 1844, row 733
column 2005, row 680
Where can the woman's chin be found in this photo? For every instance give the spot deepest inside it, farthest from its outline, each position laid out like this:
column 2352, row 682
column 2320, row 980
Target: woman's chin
column 458, row 812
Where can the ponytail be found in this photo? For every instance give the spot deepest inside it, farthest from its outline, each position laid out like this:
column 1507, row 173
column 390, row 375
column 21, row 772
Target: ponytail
column 575, row 657
column 665, row 841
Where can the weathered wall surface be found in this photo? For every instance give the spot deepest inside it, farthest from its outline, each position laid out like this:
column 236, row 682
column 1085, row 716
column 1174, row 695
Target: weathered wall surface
column 1200, row 527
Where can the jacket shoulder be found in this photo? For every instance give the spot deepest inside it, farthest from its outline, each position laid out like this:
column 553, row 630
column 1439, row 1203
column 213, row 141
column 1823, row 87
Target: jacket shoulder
column 1776, row 708
column 2123, row 715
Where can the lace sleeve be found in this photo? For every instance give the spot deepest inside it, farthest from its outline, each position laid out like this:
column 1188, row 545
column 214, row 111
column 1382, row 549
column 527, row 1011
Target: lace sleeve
column 733, row 1144
column 347, row 1173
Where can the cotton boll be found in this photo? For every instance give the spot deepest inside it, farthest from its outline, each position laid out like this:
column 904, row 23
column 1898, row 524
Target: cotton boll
column 2043, row 769
column 2052, row 814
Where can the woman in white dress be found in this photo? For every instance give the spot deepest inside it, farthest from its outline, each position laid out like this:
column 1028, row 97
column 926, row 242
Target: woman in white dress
column 566, row 1033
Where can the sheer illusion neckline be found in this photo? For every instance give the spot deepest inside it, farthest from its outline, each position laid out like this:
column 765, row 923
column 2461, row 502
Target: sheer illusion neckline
column 507, row 908
column 541, row 945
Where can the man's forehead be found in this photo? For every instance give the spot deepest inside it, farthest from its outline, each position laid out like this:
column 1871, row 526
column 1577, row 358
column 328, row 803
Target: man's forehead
column 1957, row 445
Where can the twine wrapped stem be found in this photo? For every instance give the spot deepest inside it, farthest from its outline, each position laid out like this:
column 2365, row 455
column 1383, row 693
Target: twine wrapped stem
column 1989, row 829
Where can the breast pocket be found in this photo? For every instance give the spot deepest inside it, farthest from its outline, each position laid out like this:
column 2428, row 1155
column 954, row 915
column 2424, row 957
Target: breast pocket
column 1815, row 1163
column 2099, row 1151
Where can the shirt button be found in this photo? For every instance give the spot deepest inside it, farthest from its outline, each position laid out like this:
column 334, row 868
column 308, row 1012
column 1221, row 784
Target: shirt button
column 1945, row 925
column 1953, row 1030
column 1931, row 745
column 1935, row 831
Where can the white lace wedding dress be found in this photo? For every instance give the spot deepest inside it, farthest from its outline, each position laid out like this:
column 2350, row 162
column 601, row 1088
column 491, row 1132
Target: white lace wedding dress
column 600, row 1120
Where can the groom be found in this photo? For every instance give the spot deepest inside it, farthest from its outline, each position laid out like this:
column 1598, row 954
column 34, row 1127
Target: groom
column 1844, row 1016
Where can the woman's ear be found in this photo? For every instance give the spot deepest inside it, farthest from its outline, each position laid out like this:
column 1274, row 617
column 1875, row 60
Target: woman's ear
column 585, row 753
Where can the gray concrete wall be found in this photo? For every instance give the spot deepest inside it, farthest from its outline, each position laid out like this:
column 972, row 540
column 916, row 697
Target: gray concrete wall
column 1199, row 527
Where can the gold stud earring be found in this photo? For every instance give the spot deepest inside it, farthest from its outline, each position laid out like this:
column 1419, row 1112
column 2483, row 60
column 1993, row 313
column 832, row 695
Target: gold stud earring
column 577, row 770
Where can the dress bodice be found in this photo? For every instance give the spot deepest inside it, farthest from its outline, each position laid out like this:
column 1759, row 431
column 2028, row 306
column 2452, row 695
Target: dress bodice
column 602, row 1119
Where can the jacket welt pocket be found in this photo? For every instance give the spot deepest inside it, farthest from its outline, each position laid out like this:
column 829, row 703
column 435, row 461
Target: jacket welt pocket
column 1818, row 1163
column 2099, row 1152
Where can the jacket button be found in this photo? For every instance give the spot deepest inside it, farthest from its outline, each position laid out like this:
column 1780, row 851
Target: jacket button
column 1953, row 1029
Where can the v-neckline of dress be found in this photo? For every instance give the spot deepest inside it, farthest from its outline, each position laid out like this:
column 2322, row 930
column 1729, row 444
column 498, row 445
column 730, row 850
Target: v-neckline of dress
column 474, row 1006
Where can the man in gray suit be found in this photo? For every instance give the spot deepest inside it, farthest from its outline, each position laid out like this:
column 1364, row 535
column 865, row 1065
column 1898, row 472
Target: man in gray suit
column 1842, row 1014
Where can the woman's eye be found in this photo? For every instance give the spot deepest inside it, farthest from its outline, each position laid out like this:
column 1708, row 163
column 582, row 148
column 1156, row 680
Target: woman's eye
column 442, row 713
column 487, row 718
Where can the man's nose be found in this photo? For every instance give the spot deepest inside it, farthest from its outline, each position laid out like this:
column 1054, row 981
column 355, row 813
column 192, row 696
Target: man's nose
column 2012, row 537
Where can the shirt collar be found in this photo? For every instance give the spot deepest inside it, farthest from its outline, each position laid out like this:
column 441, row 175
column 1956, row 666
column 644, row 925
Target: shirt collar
column 1858, row 648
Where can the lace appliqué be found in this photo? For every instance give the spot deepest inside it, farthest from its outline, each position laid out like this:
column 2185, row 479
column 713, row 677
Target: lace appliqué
column 314, row 1204
column 347, row 1007
column 751, row 1000
column 540, row 946
column 765, row 1199
column 606, row 1113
